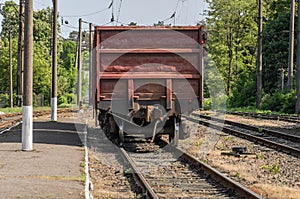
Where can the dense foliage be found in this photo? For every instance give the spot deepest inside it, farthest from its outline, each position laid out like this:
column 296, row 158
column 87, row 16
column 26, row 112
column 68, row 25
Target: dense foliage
column 232, row 28
column 232, row 46
column 42, row 57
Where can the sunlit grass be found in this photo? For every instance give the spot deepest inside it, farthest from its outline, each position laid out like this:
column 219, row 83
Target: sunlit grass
column 44, row 108
column 251, row 109
column 19, row 109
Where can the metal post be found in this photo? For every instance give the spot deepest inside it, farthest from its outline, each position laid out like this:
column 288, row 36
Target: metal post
column 20, row 54
column 79, row 62
column 291, row 47
column 27, row 125
column 91, row 63
column 298, row 65
column 282, row 78
column 54, row 64
column 259, row 57
column 10, row 70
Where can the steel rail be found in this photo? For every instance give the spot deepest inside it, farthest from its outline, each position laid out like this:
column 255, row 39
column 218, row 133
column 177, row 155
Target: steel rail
column 210, row 171
column 220, row 177
column 149, row 191
column 252, row 128
column 255, row 139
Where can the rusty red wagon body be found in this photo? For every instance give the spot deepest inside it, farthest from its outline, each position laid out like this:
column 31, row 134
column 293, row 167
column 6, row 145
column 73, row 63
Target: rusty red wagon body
column 146, row 77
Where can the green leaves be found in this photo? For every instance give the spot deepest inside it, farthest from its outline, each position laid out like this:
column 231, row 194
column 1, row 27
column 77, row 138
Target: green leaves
column 42, row 71
column 232, row 37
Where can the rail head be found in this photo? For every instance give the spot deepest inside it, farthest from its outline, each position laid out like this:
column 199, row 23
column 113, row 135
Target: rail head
column 149, row 191
column 237, row 187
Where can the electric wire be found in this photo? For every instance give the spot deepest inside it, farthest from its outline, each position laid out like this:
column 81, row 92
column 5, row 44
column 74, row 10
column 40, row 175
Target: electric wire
column 119, row 10
column 173, row 15
column 84, row 15
column 89, row 14
column 42, row 4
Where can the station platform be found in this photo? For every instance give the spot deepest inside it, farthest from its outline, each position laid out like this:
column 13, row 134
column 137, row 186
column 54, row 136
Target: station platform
column 55, row 167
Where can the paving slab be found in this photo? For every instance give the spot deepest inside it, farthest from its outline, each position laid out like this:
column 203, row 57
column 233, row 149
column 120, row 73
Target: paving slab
column 54, row 169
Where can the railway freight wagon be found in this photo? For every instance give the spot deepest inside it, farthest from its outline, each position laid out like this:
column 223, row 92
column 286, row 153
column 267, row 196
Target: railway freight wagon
column 145, row 78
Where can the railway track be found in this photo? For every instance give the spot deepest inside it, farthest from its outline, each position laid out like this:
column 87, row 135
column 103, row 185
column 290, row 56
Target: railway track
column 273, row 139
column 8, row 120
column 286, row 118
column 167, row 172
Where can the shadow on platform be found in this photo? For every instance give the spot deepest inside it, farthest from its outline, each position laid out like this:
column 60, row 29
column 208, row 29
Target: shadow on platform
column 49, row 133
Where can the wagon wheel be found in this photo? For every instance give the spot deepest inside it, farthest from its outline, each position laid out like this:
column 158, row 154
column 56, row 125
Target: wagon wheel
column 121, row 134
column 174, row 136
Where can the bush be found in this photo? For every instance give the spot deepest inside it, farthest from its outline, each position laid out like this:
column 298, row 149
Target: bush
column 242, row 94
column 279, row 102
column 66, row 99
column 207, row 103
column 4, row 100
column 62, row 100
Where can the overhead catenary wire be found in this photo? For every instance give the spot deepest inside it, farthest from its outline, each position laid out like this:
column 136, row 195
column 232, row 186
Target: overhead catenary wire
column 119, row 10
column 84, row 15
column 42, row 4
column 173, row 15
column 89, row 14
column 112, row 11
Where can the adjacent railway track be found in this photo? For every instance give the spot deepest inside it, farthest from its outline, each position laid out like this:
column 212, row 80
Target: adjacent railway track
column 168, row 172
column 8, row 120
column 286, row 118
column 273, row 139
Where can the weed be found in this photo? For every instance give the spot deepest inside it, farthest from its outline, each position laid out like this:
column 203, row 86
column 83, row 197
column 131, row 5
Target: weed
column 238, row 175
column 228, row 138
column 128, row 171
column 259, row 156
column 272, row 169
column 82, row 164
column 197, row 143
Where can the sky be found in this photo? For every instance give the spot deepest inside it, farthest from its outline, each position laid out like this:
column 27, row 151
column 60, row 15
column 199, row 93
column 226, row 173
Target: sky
column 143, row 12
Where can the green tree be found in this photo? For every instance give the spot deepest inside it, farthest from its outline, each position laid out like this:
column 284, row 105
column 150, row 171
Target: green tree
column 276, row 44
column 67, row 73
column 232, row 38
column 42, row 55
column 9, row 24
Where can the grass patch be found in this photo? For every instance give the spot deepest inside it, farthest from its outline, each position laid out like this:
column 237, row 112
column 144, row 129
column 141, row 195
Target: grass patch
column 251, row 109
column 19, row 109
column 11, row 110
column 44, row 108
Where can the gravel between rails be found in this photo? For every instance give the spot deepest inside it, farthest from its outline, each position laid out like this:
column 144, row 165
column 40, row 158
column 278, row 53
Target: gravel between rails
column 269, row 173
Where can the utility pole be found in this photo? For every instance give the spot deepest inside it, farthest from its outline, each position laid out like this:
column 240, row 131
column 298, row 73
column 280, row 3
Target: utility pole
column 91, row 62
column 20, row 54
column 79, row 63
column 259, row 57
column 27, row 125
column 10, row 70
column 54, row 64
column 298, row 65
column 291, row 47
